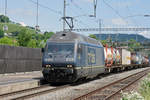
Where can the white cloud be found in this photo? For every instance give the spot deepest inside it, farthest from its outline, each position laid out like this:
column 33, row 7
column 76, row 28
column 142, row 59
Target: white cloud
column 22, row 24
column 146, row 34
column 118, row 21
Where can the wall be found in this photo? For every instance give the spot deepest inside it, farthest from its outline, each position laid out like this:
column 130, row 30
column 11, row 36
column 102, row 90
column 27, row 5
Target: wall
column 19, row 59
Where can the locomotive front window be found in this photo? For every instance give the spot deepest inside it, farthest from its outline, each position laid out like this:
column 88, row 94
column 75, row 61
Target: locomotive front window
column 66, row 50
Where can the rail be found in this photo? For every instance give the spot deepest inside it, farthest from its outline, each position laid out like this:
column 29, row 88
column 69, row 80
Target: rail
column 112, row 89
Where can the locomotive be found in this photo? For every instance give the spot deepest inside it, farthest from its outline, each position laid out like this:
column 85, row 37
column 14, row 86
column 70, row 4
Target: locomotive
column 69, row 56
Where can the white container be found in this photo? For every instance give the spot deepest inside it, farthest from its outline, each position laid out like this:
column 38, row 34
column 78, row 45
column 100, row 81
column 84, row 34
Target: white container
column 126, row 57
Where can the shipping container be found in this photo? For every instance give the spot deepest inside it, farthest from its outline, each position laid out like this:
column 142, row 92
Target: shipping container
column 125, row 57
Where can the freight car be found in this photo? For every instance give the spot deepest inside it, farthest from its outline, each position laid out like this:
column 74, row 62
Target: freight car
column 68, row 57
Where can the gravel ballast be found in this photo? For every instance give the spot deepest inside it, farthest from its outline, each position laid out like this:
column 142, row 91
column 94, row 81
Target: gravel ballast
column 73, row 92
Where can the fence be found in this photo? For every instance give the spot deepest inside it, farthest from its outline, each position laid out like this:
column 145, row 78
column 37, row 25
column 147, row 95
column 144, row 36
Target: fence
column 19, row 59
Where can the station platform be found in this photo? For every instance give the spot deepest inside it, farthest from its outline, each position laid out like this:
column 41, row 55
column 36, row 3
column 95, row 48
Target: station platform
column 19, row 81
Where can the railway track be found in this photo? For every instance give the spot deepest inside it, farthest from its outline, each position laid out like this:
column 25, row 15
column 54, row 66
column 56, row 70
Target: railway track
column 112, row 89
column 30, row 93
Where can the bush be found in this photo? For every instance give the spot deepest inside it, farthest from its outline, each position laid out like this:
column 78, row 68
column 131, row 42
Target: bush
column 145, row 88
column 24, row 37
column 144, row 91
column 32, row 43
column 132, row 96
column 1, row 33
column 8, row 41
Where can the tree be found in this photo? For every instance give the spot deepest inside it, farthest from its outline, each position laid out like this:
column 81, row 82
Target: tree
column 93, row 36
column 4, row 19
column 133, row 45
column 32, row 43
column 24, row 37
column 1, row 33
column 47, row 35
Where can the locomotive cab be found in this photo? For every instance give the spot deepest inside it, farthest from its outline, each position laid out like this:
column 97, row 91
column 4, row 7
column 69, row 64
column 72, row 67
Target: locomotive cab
column 59, row 53
column 59, row 61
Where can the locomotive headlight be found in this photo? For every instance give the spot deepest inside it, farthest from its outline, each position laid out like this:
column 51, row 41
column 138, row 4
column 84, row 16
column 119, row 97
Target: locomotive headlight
column 69, row 66
column 48, row 66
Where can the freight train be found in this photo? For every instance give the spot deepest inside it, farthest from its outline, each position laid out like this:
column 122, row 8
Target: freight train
column 68, row 57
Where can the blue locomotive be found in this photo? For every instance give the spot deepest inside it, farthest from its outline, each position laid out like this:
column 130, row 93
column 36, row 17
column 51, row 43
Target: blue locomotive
column 68, row 57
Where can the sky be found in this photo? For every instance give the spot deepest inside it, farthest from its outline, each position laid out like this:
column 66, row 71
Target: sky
column 113, row 13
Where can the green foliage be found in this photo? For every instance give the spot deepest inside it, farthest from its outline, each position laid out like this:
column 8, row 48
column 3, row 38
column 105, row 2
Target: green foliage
column 104, row 42
column 8, row 41
column 24, row 37
column 131, row 96
column 133, row 45
column 145, row 88
column 1, row 33
column 144, row 91
column 4, row 19
column 47, row 35
column 93, row 36
column 32, row 43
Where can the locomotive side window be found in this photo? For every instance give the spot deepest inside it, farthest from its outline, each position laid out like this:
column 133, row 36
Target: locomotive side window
column 81, row 55
column 79, row 51
column 91, row 56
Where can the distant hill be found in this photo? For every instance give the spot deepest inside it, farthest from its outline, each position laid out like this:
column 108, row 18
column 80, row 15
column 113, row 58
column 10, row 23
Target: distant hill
column 15, row 27
column 122, row 37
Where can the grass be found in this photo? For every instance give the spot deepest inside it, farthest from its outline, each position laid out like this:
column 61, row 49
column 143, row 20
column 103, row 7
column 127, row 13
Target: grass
column 15, row 28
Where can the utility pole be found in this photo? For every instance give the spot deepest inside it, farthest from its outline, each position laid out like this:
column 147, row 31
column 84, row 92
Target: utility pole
column 5, row 27
column 95, row 5
column 37, row 12
column 100, row 25
column 136, row 37
column 64, row 16
column 37, row 16
column 5, row 7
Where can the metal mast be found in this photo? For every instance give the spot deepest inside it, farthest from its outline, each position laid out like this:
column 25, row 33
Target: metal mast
column 37, row 16
column 5, row 7
column 100, row 25
column 37, row 13
column 5, row 27
column 95, row 6
column 64, row 16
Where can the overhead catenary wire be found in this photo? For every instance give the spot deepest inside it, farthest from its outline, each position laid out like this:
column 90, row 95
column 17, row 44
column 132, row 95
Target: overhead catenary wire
column 117, row 13
column 43, row 6
column 134, row 21
column 78, row 16
column 78, row 7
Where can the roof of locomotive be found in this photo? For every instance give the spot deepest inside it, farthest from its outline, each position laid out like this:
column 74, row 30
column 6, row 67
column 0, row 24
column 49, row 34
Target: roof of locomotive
column 61, row 37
